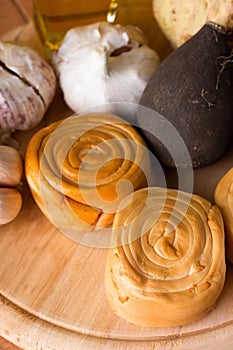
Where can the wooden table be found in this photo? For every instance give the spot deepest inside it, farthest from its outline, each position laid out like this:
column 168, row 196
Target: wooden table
column 18, row 326
column 13, row 13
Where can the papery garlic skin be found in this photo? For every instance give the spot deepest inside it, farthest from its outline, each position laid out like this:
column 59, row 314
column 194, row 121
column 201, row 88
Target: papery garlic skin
column 102, row 63
column 27, row 86
column 20, row 107
column 31, row 67
column 10, row 204
column 179, row 19
column 11, row 166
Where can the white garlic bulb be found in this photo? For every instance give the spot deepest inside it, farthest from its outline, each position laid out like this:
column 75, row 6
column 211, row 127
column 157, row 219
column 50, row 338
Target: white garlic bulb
column 27, row 86
column 10, row 204
column 102, row 63
column 11, row 166
column 179, row 19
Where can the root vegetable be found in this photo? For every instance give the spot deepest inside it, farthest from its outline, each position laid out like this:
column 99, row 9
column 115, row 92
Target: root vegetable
column 192, row 89
column 180, row 20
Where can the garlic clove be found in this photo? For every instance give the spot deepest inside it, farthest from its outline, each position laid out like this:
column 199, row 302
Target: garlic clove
column 10, row 204
column 11, row 166
column 103, row 63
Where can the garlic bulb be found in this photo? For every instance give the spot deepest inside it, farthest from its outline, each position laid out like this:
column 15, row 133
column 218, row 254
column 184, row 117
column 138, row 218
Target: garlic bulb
column 102, row 63
column 11, row 166
column 179, row 20
column 27, row 86
column 10, row 204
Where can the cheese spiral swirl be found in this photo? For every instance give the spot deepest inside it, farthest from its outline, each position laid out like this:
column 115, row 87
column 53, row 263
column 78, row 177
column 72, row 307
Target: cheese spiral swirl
column 80, row 168
column 223, row 197
column 168, row 264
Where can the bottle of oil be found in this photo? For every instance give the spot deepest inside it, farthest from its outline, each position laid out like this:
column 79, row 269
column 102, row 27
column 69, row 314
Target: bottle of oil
column 54, row 17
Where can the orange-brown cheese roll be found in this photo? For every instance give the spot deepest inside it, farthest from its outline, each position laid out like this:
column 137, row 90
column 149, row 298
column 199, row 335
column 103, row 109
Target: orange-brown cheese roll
column 167, row 264
column 223, row 197
column 80, row 168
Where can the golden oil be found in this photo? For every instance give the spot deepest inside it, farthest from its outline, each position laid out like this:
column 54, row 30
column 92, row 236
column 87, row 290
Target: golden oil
column 53, row 18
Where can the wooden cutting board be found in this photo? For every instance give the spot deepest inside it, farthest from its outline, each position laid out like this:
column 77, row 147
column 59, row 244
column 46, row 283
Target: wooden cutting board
column 52, row 289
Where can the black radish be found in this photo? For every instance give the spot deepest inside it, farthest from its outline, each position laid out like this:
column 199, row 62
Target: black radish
column 193, row 90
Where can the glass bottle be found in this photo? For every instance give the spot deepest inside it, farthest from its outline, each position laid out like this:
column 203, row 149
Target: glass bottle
column 53, row 18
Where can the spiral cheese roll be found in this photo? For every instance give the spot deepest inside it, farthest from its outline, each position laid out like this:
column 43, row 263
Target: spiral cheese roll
column 80, row 168
column 167, row 267
column 223, row 197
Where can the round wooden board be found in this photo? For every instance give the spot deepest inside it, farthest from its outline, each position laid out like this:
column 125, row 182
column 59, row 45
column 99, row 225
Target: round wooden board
column 52, row 289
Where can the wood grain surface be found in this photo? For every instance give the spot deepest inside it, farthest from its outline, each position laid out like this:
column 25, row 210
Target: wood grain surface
column 62, row 282
column 52, row 289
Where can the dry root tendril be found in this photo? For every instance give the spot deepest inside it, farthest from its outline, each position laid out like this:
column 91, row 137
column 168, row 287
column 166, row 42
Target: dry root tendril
column 226, row 62
column 203, row 95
